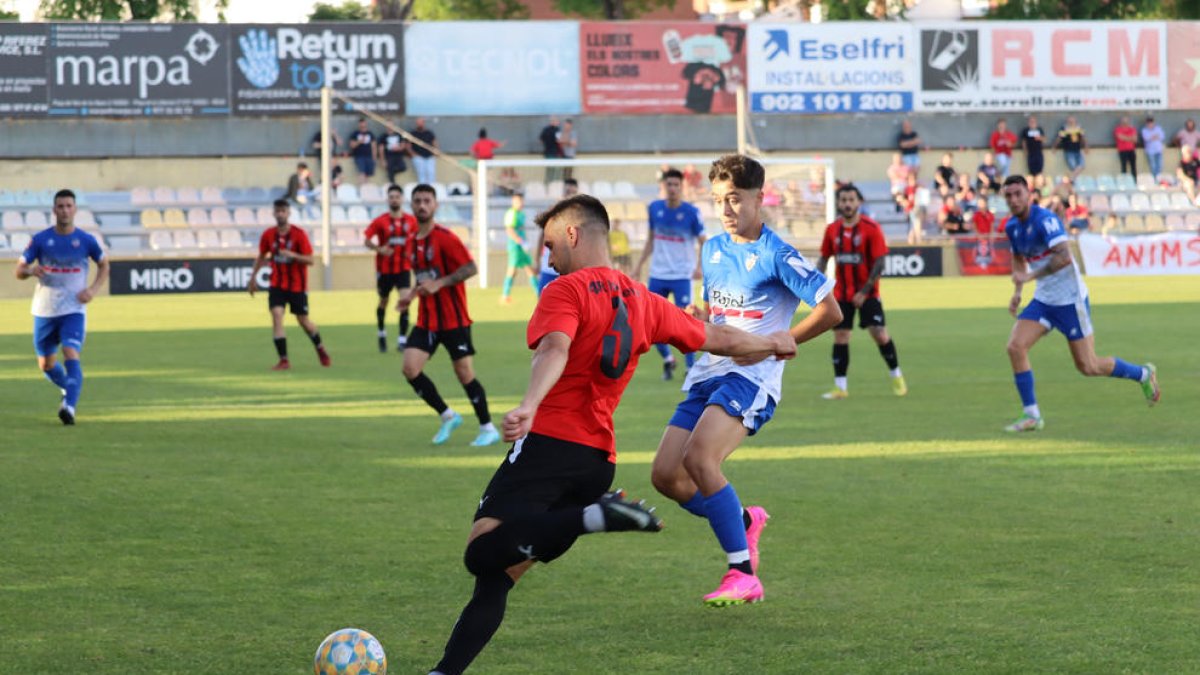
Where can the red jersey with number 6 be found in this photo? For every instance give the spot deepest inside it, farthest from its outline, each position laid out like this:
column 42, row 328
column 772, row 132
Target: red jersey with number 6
column 392, row 231
column 611, row 320
column 855, row 249
column 285, row 273
column 439, row 254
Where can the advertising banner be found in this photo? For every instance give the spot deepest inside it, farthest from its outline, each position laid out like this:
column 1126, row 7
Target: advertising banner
column 983, row 255
column 137, row 69
column 661, row 67
column 280, row 69
column 1183, row 59
column 23, row 69
column 850, row 67
column 913, row 261
column 1034, row 65
column 1169, row 253
column 491, row 68
column 201, row 275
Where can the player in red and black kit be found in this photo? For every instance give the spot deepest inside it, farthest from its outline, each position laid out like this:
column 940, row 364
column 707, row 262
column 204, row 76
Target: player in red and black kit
column 588, row 331
column 440, row 264
column 856, row 244
column 287, row 249
column 388, row 236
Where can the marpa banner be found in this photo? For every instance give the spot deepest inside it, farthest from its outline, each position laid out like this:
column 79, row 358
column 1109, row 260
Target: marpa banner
column 200, row 275
column 1168, row 254
column 1040, row 65
column 280, row 69
column 831, row 68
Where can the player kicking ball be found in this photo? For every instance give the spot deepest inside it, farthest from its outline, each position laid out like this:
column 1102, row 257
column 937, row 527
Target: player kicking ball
column 1040, row 251
column 754, row 281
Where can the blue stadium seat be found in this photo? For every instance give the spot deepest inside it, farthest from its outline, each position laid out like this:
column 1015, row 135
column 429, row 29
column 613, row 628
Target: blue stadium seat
column 1085, row 183
column 1126, row 183
column 1106, row 183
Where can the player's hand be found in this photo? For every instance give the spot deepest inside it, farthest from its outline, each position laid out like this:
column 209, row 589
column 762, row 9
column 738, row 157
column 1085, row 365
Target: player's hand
column 697, row 274
column 517, row 423
column 698, row 312
column 431, row 286
column 35, row 270
column 287, row 253
column 1014, row 304
column 1021, row 277
column 85, row 296
column 384, row 250
column 858, row 299
column 252, row 287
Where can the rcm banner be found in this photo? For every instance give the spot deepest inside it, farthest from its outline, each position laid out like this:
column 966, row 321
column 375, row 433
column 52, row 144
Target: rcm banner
column 661, row 67
column 200, row 275
column 492, row 68
column 1166, row 254
column 137, row 69
column 979, row 256
column 913, row 261
column 280, row 69
column 1031, row 65
column 835, row 67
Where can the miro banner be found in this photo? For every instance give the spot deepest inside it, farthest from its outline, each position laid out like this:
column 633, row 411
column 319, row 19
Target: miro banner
column 661, row 67
column 280, row 69
column 831, row 68
column 197, row 275
column 492, row 68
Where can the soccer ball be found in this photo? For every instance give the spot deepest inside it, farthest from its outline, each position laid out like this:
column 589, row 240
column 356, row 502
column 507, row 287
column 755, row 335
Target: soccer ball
column 350, row 651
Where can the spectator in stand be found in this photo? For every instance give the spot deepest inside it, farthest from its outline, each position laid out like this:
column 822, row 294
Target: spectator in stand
column 618, row 247
column 424, row 161
column 909, row 143
column 1073, row 141
column 988, row 175
column 568, row 143
column 1077, row 215
column 362, row 148
column 1188, row 136
column 550, row 148
column 1188, row 171
column 965, row 193
column 509, row 182
column 314, row 145
column 1002, row 143
column 897, row 175
column 916, row 201
column 485, row 148
column 951, row 218
column 1065, row 188
column 944, row 177
column 393, row 152
column 1033, row 139
column 1125, row 136
column 300, row 187
column 984, row 218
column 1152, row 144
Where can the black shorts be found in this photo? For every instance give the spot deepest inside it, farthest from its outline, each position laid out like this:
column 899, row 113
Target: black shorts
column 384, row 283
column 457, row 341
column 296, row 300
column 541, row 474
column 872, row 314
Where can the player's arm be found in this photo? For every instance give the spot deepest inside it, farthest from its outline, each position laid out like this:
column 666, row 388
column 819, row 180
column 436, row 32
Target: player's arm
column 464, row 272
column 549, row 360
column 725, row 340
column 1020, row 270
column 102, row 270
column 872, row 279
column 296, row 257
column 824, row 316
column 25, row 270
column 263, row 257
column 646, row 251
column 698, row 273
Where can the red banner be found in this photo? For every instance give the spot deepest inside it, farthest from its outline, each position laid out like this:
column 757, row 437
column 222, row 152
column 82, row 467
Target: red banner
column 1183, row 64
column 661, row 67
column 982, row 255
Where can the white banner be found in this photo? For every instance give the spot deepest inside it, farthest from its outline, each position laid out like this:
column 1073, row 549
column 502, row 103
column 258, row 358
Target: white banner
column 1033, row 65
column 1170, row 253
column 831, row 68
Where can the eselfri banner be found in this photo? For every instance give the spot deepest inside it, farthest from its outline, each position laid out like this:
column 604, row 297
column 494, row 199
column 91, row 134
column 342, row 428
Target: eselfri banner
column 1036, row 65
column 660, row 67
column 280, row 69
column 492, row 68
column 1148, row 254
column 831, row 68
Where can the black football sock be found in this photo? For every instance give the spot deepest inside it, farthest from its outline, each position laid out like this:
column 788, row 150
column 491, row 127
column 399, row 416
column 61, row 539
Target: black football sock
column 888, row 352
column 281, row 347
column 428, row 392
column 478, row 399
column 538, row 536
column 316, row 339
column 380, row 312
column 746, row 520
column 743, row 567
column 477, row 623
column 403, row 323
column 841, row 360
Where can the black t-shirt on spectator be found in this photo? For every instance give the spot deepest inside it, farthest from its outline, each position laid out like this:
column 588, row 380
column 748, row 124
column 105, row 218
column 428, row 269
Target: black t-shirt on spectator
column 426, row 136
column 947, row 174
column 549, row 139
column 1191, row 168
column 1070, row 141
column 366, row 143
column 907, row 137
column 1032, row 139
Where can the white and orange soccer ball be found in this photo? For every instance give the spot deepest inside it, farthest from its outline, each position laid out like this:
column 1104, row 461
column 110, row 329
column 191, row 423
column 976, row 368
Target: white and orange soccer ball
column 350, row 651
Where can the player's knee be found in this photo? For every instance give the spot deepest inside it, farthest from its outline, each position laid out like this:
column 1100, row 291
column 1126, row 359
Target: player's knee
column 411, row 372
column 700, row 468
column 1089, row 367
column 1015, row 348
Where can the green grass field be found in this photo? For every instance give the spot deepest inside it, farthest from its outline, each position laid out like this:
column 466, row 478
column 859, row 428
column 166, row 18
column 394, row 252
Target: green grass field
column 209, row 516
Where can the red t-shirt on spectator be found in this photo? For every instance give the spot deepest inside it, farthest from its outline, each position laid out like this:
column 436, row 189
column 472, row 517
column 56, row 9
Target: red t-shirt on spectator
column 611, row 320
column 1078, row 212
column 484, row 148
column 983, row 221
column 439, row 255
column 1003, row 143
column 286, row 274
column 855, row 249
column 1129, row 132
column 393, row 231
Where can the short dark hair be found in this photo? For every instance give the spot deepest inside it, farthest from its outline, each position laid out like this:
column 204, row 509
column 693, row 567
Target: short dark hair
column 423, row 187
column 745, row 173
column 483, row 132
column 301, row 165
column 672, row 173
column 64, row 193
column 571, row 181
column 395, row 188
column 848, row 187
column 282, row 202
column 589, row 208
column 1016, row 179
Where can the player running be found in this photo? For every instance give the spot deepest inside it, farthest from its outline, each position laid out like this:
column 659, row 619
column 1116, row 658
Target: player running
column 440, row 264
column 677, row 232
column 587, row 333
column 755, row 281
column 58, row 258
column 387, row 235
column 287, row 250
column 1040, row 251
column 856, row 244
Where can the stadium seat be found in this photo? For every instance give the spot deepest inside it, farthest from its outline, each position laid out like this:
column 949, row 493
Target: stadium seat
column 141, row 196
column 448, row 213
column 1155, row 223
column 308, row 216
column 554, row 189
column 372, row 194
column 1146, row 182
column 187, row 195
column 439, row 189
column 174, row 217
column 345, row 237
column 265, row 216
column 585, row 187
column 244, row 215
column 185, row 239
column 12, row 219
column 85, row 218
column 1191, row 222
column 1140, row 202
column 623, row 189
column 337, row 215
column 347, row 193
column 208, row 238
column 198, row 217
column 160, row 240
column 1120, row 204
column 3, row 242
column 17, row 241
column 535, row 191
column 1106, row 183
column 233, row 195
column 1085, row 183
column 1126, row 183
column 163, row 195
column 1098, row 204
column 277, row 192
column 1134, row 222
column 211, row 196
column 231, row 239
column 1180, row 202
column 602, row 189
column 220, row 216
column 7, row 198
column 1160, row 201
column 125, row 244
column 458, row 189
column 36, row 219
column 358, row 215
column 1175, row 222
column 255, row 195
column 151, row 218
column 636, row 211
